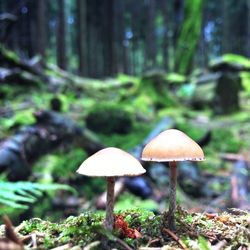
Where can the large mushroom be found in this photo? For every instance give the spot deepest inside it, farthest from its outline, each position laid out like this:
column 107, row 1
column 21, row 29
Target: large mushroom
column 111, row 162
column 172, row 145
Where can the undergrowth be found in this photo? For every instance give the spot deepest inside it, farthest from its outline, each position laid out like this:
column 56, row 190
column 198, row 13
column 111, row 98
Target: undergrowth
column 195, row 231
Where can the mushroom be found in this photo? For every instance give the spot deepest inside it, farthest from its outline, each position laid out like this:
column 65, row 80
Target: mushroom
column 171, row 146
column 111, row 162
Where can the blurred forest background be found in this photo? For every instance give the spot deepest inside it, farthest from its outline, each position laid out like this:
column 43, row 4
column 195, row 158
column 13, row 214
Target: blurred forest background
column 103, row 38
column 77, row 76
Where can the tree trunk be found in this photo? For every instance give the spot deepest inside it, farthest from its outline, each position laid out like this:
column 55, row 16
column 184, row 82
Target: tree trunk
column 61, row 36
column 150, row 35
column 108, row 35
column 41, row 27
column 226, row 31
column 165, row 43
column 82, row 34
column 189, row 36
column 248, row 29
column 119, row 37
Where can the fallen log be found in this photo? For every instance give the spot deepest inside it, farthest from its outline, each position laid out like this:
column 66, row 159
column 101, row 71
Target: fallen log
column 11, row 60
column 51, row 130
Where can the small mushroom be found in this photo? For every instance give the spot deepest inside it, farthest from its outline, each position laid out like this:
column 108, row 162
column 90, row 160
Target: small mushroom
column 109, row 163
column 171, row 146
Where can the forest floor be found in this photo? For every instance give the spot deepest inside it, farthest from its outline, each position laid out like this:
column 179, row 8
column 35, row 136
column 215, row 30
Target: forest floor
column 139, row 229
column 142, row 103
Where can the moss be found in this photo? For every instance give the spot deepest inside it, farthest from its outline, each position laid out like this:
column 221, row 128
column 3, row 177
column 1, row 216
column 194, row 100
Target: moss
column 231, row 59
column 109, row 118
column 128, row 141
column 87, row 228
column 196, row 133
column 59, row 164
column 225, row 140
column 126, row 200
column 155, row 86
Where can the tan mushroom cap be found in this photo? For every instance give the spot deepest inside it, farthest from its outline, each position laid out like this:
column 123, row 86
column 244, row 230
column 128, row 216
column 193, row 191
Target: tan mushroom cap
column 172, row 145
column 111, row 162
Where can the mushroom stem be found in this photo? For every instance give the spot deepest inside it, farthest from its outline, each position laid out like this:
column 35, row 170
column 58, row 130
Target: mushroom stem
column 172, row 195
column 109, row 220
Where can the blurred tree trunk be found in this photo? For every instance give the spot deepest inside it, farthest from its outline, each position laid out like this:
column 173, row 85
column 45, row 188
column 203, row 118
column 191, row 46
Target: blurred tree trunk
column 120, row 60
column 93, row 29
column 189, row 36
column 150, row 34
column 41, row 27
column 81, row 35
column 226, row 31
column 31, row 32
column 108, row 37
column 61, row 38
column 248, row 29
column 165, row 44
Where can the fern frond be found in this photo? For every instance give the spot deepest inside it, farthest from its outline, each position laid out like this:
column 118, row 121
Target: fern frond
column 21, row 194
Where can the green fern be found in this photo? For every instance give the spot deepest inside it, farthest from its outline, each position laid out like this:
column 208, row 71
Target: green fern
column 22, row 194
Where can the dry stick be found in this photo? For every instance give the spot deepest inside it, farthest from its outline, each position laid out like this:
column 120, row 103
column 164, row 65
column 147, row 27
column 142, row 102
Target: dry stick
column 63, row 247
column 109, row 221
column 175, row 237
column 123, row 244
column 92, row 245
column 219, row 245
column 34, row 240
column 9, row 231
column 172, row 195
column 153, row 241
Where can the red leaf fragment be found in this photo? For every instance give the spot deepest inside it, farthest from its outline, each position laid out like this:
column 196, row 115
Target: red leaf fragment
column 122, row 226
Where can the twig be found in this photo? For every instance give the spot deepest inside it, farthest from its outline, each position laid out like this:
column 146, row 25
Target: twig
column 175, row 237
column 9, row 231
column 153, row 241
column 122, row 243
column 63, row 247
column 233, row 157
column 92, row 245
column 150, row 248
column 34, row 240
column 219, row 245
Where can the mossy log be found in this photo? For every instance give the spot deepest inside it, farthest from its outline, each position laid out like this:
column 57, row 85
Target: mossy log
column 218, row 91
column 50, row 131
column 34, row 71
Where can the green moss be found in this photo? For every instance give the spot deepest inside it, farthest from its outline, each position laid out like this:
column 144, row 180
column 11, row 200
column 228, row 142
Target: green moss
column 107, row 118
column 196, row 133
column 232, row 59
column 128, row 141
column 225, row 140
column 60, row 164
column 24, row 117
column 155, row 86
column 175, row 78
column 126, row 200
column 93, row 187
column 87, row 228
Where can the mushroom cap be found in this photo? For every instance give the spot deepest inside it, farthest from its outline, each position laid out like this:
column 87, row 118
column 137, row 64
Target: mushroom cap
column 172, row 145
column 111, row 162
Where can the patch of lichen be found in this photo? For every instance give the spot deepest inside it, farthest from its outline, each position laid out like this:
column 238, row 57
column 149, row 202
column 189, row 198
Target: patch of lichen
column 194, row 229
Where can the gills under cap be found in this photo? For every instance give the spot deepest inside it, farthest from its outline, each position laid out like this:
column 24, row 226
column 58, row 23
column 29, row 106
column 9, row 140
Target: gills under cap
column 111, row 162
column 172, row 145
